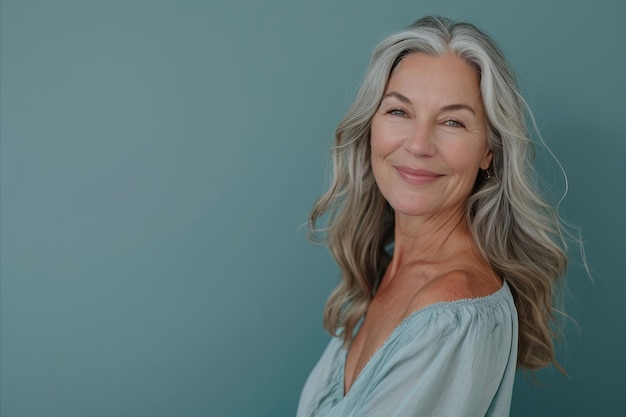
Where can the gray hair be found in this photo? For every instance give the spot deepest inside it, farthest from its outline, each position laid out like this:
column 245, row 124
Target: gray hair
column 518, row 233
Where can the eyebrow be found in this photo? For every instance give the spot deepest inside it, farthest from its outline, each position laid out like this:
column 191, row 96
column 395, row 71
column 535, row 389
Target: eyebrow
column 449, row 107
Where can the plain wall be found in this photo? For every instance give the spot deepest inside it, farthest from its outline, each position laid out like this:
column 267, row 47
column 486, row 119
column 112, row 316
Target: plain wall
column 158, row 159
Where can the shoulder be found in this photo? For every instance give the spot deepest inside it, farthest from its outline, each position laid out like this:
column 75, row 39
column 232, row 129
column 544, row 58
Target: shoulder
column 462, row 315
column 453, row 286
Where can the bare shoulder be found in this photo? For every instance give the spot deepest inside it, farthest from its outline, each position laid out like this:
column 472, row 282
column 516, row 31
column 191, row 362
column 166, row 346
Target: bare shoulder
column 452, row 286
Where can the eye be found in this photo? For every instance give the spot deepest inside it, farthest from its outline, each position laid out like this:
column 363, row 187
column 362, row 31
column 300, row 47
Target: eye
column 453, row 123
column 396, row 112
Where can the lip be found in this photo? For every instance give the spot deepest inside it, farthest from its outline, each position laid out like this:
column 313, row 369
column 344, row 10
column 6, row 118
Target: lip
column 416, row 176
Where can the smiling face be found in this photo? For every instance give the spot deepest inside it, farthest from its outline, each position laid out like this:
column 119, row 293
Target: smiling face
column 429, row 135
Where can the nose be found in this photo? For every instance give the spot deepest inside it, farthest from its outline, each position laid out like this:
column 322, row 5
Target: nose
column 420, row 142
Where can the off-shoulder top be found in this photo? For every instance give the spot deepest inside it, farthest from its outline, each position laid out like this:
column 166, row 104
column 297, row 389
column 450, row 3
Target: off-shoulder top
column 453, row 358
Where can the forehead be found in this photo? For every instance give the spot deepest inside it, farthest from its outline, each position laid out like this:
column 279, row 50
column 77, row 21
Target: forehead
column 445, row 77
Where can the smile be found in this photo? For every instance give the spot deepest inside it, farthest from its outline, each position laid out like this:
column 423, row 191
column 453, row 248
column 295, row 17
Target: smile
column 416, row 176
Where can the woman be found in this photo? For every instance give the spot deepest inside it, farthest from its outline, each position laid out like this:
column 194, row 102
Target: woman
column 448, row 254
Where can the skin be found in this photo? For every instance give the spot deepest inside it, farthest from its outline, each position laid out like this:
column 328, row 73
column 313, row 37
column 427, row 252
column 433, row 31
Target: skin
column 428, row 142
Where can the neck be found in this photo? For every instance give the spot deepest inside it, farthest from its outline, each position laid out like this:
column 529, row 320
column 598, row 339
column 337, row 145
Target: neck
column 429, row 240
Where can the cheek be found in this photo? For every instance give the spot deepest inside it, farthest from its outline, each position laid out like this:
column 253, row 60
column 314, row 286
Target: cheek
column 384, row 139
column 379, row 149
column 467, row 154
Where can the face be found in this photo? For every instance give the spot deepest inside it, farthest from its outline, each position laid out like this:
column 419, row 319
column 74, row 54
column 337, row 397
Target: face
column 429, row 135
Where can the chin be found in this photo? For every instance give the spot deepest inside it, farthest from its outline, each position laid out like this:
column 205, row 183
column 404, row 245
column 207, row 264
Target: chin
column 411, row 208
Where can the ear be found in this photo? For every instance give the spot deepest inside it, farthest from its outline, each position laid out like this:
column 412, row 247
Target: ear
column 485, row 163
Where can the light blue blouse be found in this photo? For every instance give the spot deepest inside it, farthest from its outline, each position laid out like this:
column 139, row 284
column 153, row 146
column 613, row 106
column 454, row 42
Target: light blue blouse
column 448, row 359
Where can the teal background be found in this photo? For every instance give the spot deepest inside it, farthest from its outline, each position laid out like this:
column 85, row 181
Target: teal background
column 158, row 159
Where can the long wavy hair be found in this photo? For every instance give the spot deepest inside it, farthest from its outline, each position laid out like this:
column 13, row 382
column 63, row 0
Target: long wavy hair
column 517, row 232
